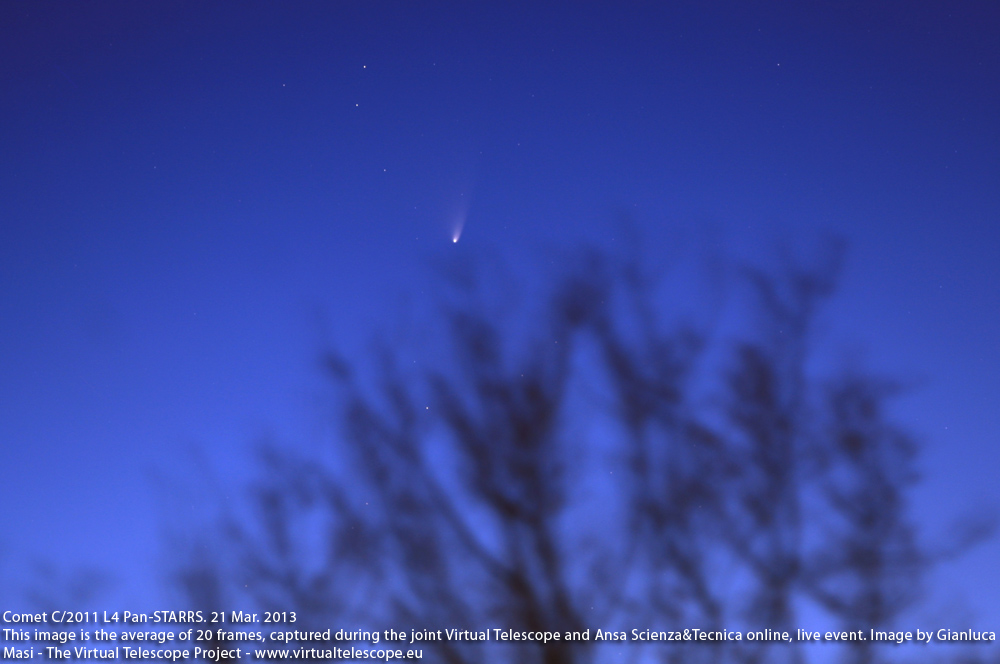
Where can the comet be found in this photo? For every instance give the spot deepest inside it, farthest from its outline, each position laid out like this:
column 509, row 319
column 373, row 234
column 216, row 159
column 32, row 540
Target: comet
column 458, row 222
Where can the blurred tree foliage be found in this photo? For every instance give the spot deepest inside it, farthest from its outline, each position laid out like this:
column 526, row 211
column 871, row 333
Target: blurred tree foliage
column 606, row 470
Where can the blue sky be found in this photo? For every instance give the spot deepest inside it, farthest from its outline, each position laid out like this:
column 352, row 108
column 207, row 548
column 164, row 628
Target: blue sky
column 187, row 188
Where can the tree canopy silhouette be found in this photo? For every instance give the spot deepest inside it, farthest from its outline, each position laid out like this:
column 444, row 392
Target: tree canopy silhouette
column 605, row 470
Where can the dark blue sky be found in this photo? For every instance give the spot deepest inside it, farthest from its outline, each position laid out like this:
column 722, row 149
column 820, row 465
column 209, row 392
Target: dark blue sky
column 184, row 185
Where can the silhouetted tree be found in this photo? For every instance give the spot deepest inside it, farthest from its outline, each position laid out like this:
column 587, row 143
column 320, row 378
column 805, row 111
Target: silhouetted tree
column 607, row 471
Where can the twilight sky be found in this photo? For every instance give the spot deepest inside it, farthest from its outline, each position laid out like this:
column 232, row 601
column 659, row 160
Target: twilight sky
column 185, row 185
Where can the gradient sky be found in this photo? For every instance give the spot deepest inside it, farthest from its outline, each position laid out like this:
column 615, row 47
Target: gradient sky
column 184, row 185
